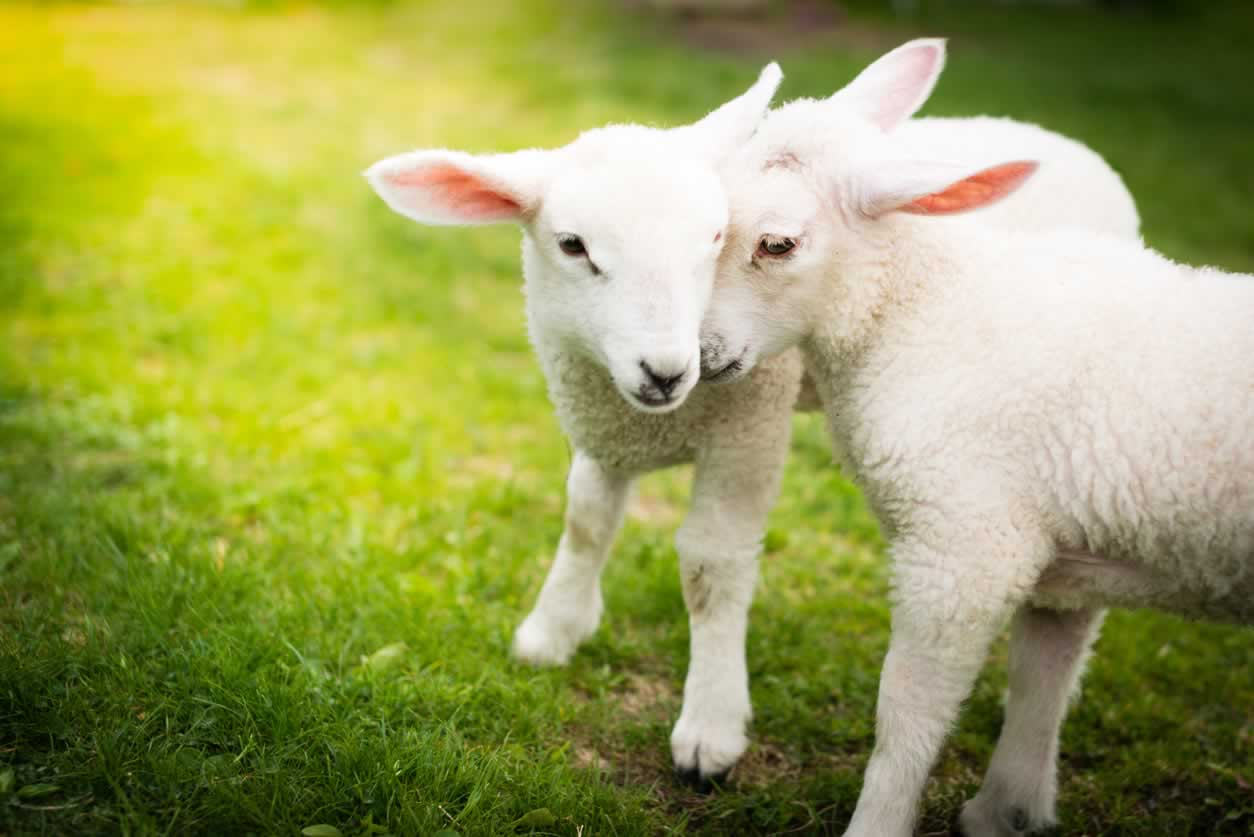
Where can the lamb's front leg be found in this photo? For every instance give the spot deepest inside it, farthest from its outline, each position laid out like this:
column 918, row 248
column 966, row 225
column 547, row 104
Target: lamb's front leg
column 1048, row 649
column 949, row 605
column 718, row 546
column 569, row 607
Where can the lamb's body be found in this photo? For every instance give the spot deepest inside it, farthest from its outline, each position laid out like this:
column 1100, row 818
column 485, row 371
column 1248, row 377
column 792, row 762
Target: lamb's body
column 1060, row 421
column 1046, row 424
column 1096, row 397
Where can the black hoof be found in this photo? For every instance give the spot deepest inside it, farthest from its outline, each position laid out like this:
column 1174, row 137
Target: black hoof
column 692, row 777
column 1019, row 820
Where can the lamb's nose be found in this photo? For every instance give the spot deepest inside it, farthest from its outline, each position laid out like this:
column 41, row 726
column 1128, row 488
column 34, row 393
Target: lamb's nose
column 663, row 380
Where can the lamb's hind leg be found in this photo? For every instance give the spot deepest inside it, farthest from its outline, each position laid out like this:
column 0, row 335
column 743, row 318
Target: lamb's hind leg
column 1048, row 650
column 569, row 607
column 718, row 546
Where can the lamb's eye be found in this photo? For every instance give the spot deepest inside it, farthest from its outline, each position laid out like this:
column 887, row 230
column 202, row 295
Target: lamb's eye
column 776, row 245
column 572, row 245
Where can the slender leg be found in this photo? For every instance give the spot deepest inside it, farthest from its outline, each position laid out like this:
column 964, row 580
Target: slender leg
column 718, row 546
column 569, row 607
column 947, row 611
column 1048, row 650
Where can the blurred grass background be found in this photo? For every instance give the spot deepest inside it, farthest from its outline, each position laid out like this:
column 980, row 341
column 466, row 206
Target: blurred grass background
column 278, row 476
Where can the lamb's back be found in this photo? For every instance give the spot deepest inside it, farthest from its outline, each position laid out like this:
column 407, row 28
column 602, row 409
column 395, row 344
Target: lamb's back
column 1127, row 396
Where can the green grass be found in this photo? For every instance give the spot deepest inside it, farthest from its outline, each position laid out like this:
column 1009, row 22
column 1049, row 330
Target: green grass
column 278, row 477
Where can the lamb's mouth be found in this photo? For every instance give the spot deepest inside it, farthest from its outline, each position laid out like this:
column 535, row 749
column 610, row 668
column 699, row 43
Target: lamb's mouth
column 654, row 402
column 729, row 370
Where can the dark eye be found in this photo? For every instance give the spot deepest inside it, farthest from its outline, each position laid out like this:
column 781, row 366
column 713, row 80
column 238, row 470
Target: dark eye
column 776, row 245
column 572, row 245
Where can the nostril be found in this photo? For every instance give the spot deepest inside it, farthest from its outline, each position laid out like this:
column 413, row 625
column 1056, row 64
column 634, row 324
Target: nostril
column 662, row 381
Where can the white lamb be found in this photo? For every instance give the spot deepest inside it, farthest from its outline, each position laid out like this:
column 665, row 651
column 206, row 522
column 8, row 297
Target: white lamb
column 1045, row 424
column 621, row 231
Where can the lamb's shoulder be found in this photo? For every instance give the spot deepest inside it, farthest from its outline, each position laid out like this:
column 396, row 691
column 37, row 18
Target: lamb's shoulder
column 1036, row 374
column 900, row 429
column 1110, row 386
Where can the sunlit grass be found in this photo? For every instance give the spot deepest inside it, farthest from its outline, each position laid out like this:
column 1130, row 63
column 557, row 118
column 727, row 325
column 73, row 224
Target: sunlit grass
column 254, row 429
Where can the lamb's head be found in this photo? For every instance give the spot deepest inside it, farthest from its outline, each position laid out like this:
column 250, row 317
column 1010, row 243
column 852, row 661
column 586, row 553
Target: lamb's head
column 809, row 196
column 622, row 231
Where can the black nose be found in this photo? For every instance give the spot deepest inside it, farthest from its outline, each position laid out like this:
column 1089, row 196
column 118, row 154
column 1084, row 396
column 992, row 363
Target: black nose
column 664, row 383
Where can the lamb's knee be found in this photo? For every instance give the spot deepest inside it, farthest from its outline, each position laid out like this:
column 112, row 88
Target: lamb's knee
column 715, row 570
column 582, row 536
column 590, row 524
column 696, row 588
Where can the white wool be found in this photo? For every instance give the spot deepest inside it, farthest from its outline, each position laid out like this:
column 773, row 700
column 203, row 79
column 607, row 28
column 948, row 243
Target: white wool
column 649, row 209
column 1045, row 422
column 1075, row 185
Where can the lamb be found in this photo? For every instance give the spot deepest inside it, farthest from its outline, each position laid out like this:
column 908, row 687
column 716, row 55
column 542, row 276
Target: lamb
column 615, row 292
column 1046, row 424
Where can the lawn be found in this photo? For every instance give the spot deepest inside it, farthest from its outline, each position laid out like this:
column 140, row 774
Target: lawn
column 278, row 476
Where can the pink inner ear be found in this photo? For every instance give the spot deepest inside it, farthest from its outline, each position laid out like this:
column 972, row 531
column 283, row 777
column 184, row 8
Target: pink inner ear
column 980, row 189
column 457, row 192
column 916, row 71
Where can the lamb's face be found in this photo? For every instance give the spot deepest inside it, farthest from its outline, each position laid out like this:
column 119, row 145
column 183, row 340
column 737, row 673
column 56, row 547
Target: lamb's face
column 623, row 228
column 807, row 195
column 790, row 229
column 810, row 240
column 620, row 264
column 767, row 274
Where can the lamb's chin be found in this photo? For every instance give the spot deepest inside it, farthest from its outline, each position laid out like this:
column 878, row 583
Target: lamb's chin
column 651, row 408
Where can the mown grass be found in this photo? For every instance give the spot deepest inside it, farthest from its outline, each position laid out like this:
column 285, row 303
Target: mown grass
column 278, row 476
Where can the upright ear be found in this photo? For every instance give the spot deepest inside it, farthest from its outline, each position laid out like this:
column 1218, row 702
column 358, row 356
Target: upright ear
column 895, row 86
column 452, row 187
column 936, row 188
column 730, row 126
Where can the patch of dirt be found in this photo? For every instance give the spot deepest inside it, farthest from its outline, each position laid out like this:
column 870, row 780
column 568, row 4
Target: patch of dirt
column 648, row 695
column 766, row 27
column 587, row 758
column 765, row 763
column 649, row 766
column 647, row 700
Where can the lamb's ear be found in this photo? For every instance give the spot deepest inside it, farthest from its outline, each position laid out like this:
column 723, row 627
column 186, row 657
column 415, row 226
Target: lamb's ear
column 731, row 125
column 452, row 187
column 897, row 84
column 936, row 188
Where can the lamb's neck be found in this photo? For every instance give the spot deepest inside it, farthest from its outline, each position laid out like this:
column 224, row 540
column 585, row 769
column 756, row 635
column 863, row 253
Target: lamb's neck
column 905, row 264
column 874, row 307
